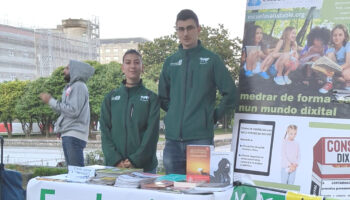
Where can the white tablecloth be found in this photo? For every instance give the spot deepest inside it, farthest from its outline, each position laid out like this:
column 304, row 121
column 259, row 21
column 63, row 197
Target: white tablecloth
column 54, row 190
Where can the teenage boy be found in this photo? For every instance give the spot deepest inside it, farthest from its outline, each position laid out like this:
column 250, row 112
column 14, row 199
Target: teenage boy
column 187, row 91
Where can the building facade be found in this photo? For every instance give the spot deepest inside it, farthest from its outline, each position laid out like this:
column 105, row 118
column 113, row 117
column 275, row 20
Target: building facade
column 114, row 49
column 26, row 54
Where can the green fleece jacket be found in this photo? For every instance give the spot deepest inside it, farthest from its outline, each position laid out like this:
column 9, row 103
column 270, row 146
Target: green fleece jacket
column 130, row 126
column 187, row 92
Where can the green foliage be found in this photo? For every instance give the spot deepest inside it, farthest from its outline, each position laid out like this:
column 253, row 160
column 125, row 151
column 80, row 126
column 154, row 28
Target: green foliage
column 29, row 108
column 37, row 171
column 10, row 92
column 106, row 78
column 218, row 41
column 48, row 171
column 23, row 109
column 154, row 54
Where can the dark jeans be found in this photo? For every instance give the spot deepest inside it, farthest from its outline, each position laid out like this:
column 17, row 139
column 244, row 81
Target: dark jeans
column 73, row 150
column 174, row 154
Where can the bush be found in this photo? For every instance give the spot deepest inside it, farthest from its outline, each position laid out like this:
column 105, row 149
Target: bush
column 48, row 171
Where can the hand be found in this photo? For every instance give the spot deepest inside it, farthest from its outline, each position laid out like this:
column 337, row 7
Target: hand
column 121, row 164
column 45, row 97
column 128, row 164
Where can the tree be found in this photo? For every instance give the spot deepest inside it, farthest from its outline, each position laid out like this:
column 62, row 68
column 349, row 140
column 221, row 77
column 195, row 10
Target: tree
column 106, row 78
column 22, row 110
column 9, row 93
column 30, row 109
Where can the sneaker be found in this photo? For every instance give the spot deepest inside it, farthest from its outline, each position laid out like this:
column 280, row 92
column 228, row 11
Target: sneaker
column 273, row 70
column 264, row 75
column 279, row 80
column 248, row 73
column 325, row 89
column 287, row 80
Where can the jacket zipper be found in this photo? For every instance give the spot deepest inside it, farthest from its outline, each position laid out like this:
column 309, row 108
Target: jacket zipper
column 185, row 92
column 191, row 79
column 206, row 118
column 131, row 111
column 125, row 125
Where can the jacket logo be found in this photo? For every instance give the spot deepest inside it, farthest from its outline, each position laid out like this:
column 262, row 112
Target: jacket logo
column 116, row 98
column 144, row 98
column 178, row 63
column 203, row 61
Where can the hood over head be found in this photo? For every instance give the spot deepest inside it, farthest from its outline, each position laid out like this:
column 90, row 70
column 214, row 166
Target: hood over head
column 80, row 71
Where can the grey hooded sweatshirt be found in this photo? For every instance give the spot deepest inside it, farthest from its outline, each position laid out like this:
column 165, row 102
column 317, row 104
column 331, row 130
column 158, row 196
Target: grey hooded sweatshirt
column 74, row 108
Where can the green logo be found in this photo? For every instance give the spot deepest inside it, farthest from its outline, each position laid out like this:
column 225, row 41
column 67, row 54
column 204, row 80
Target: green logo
column 43, row 193
column 244, row 193
column 269, row 196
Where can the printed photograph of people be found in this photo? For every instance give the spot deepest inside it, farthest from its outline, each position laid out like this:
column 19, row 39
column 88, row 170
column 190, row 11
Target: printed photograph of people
column 254, row 52
column 290, row 155
column 300, row 55
column 338, row 52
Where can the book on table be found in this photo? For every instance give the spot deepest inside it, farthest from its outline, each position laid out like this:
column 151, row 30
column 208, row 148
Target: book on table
column 221, row 167
column 184, row 184
column 198, row 163
column 326, row 65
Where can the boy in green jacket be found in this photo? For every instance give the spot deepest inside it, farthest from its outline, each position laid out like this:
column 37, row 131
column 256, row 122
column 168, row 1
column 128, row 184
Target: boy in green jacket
column 130, row 120
column 187, row 91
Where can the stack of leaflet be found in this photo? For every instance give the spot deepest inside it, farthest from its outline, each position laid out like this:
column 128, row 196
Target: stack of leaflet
column 133, row 180
column 108, row 175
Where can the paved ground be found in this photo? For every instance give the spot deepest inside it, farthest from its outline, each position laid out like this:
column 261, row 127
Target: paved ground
column 49, row 152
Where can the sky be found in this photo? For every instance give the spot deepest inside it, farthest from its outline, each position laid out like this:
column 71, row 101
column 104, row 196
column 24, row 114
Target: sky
column 124, row 18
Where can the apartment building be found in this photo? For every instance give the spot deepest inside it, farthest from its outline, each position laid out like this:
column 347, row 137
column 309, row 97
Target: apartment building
column 114, row 49
column 26, row 54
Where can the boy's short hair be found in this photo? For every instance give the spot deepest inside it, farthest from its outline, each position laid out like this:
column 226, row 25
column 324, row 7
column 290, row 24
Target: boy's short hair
column 132, row 51
column 186, row 14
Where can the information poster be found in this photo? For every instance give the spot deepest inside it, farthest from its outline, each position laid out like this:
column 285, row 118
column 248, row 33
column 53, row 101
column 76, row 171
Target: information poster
column 292, row 123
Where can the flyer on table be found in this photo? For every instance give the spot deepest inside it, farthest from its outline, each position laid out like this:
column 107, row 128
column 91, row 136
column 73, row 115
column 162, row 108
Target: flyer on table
column 292, row 123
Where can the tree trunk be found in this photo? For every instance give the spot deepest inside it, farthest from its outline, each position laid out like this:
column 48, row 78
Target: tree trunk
column 27, row 127
column 8, row 128
column 47, row 127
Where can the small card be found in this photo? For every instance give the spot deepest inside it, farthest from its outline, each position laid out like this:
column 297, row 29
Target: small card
column 80, row 174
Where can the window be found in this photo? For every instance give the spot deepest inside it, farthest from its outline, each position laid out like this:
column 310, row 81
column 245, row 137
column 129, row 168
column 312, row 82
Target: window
column 115, row 50
column 108, row 50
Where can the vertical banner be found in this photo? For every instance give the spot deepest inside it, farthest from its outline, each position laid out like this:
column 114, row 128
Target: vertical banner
column 292, row 124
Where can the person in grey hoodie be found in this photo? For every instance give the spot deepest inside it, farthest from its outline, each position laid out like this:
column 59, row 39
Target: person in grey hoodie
column 73, row 122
